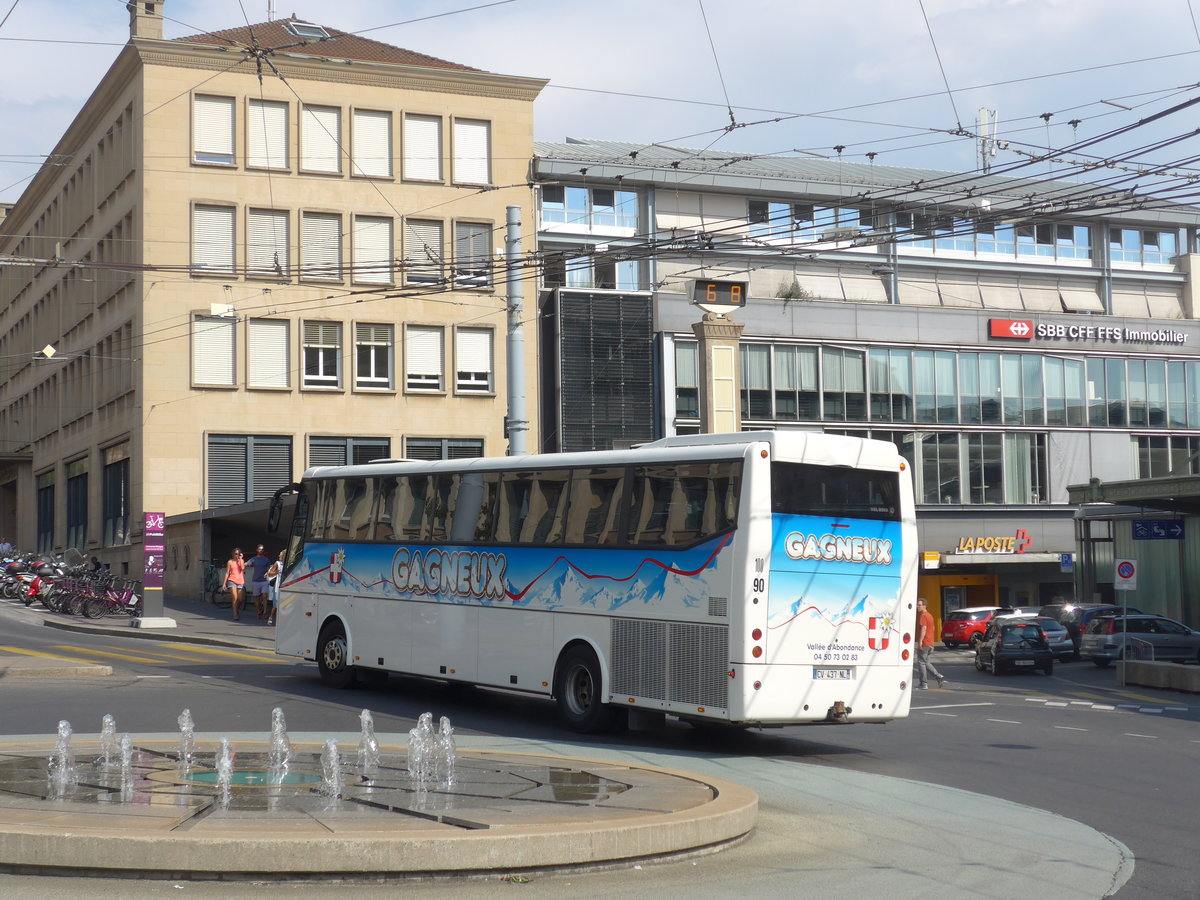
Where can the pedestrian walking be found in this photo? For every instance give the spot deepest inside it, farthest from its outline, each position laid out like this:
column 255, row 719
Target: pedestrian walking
column 275, row 579
column 925, row 630
column 256, row 568
column 235, row 580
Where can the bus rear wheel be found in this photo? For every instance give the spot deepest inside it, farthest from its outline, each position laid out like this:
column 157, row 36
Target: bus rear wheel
column 333, row 658
column 578, row 692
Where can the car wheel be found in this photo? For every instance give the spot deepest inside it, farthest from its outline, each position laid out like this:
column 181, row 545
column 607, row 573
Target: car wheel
column 996, row 670
column 333, row 657
column 578, row 689
column 1101, row 661
column 1049, row 668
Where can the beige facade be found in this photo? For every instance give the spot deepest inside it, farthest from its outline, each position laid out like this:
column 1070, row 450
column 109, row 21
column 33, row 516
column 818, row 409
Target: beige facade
column 241, row 276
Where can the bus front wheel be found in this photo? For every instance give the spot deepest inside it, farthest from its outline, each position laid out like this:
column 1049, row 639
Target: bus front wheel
column 578, row 692
column 333, row 658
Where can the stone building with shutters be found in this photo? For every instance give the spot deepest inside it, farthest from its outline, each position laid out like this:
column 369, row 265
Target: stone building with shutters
column 1013, row 336
column 255, row 250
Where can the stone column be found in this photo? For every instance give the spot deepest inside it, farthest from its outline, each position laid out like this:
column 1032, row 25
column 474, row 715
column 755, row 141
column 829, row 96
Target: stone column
column 1189, row 264
column 720, row 373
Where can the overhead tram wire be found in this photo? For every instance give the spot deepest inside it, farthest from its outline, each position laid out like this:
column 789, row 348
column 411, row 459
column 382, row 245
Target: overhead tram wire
column 941, row 66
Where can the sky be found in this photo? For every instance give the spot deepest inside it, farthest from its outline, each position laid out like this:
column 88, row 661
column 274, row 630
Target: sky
column 894, row 78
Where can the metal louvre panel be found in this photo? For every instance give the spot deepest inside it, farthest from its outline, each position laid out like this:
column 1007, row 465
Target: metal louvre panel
column 698, row 663
column 272, row 466
column 471, row 152
column 320, row 128
column 365, row 333
column 423, row 148
column 212, row 238
column 227, row 471
column 372, row 143
column 638, row 661
column 321, row 246
column 363, row 450
column 267, row 242
column 212, row 129
column 267, row 346
column 214, row 343
column 327, row 451
column 718, row 607
column 463, row 449
column 266, row 123
column 373, row 249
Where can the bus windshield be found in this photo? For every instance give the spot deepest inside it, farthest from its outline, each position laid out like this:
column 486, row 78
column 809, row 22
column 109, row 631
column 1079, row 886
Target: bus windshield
column 802, row 489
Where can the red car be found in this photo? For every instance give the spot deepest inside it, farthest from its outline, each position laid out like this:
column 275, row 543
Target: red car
column 966, row 626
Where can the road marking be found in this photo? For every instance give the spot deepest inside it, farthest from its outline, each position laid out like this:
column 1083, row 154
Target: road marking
column 128, row 657
column 1081, row 702
column 1149, row 709
column 151, row 676
column 1176, row 708
column 1055, row 703
column 953, row 705
column 1152, row 737
column 217, row 676
column 1108, row 707
column 162, row 657
column 254, row 655
column 40, row 655
column 1005, row 721
column 945, row 715
column 1069, row 728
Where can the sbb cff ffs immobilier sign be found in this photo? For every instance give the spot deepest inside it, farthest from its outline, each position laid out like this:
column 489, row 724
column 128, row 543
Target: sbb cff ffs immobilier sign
column 1013, row 329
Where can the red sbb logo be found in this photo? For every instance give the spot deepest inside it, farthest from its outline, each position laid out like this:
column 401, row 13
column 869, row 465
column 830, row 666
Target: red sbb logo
column 1020, row 329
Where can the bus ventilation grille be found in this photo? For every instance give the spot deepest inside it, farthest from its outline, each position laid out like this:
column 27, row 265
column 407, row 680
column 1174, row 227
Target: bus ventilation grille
column 681, row 662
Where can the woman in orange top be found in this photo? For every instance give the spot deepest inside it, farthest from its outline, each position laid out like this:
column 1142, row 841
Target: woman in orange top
column 235, row 580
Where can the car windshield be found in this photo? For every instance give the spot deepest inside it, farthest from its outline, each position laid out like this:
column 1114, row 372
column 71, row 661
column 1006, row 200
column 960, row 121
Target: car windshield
column 1050, row 625
column 1017, row 635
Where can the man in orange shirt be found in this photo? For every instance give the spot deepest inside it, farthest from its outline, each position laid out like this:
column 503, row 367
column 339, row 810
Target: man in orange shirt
column 925, row 631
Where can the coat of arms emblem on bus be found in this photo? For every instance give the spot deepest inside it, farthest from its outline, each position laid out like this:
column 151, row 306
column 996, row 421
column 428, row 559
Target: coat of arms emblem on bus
column 337, row 563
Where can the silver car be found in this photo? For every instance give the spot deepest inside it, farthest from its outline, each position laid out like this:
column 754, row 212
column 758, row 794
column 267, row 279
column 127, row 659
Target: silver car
column 1149, row 637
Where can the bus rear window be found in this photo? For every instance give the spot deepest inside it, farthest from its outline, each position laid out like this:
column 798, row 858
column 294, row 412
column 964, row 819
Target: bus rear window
column 800, row 489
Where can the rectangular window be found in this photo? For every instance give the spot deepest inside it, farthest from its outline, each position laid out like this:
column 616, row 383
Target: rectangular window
column 472, row 255
column 473, row 360
column 423, row 148
column 321, row 247
column 214, row 350
column 373, row 355
column 320, row 139
column 212, row 130
column 322, row 354
column 116, row 495
column 349, row 451
column 267, row 243
column 45, row 512
column 213, row 234
column 372, row 250
column 756, row 381
column 77, row 504
column 472, row 152
column 424, row 358
column 243, row 468
column 268, row 357
column 372, row 143
column 267, row 128
column 687, row 380
column 424, row 252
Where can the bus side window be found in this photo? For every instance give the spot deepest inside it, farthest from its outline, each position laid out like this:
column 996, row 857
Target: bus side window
column 324, row 497
column 515, row 489
column 439, row 507
column 593, row 516
column 360, row 514
column 412, row 499
column 650, row 504
column 351, row 497
column 547, row 506
column 383, row 512
column 474, row 507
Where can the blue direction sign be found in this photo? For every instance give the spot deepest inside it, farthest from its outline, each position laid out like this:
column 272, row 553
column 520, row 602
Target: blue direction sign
column 1158, row 529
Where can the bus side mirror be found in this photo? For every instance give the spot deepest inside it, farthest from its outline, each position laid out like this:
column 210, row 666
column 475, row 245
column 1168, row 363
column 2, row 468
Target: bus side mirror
column 275, row 512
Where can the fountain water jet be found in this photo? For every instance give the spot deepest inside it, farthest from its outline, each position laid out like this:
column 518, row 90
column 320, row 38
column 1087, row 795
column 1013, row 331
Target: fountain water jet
column 62, row 763
column 126, row 767
column 225, row 772
column 420, row 753
column 281, row 745
column 445, row 754
column 108, row 740
column 368, row 745
column 331, row 767
column 187, row 740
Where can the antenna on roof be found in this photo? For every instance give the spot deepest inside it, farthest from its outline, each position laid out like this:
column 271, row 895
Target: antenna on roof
column 270, row 10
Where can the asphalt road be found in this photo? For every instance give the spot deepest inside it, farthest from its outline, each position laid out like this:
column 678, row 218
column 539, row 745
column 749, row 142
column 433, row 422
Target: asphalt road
column 1122, row 761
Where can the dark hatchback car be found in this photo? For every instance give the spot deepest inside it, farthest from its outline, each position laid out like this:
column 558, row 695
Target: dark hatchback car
column 1008, row 646
column 1076, row 617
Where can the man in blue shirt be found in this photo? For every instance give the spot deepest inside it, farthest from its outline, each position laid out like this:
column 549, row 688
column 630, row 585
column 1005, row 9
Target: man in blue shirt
column 256, row 572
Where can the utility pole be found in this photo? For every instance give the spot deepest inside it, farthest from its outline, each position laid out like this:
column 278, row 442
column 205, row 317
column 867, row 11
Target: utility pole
column 515, row 423
column 985, row 126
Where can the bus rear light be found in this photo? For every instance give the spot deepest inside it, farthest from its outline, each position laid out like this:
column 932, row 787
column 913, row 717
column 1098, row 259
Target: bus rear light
column 762, row 453
column 732, row 673
column 907, row 638
column 756, row 652
column 699, row 709
column 904, row 654
column 545, row 684
column 631, row 700
column 903, row 465
column 758, row 685
column 756, row 634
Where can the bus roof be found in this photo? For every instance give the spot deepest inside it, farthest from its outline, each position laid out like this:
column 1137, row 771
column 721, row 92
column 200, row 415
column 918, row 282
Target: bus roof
column 807, row 446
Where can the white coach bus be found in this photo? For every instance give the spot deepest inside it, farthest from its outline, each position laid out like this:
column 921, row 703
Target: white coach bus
column 760, row 578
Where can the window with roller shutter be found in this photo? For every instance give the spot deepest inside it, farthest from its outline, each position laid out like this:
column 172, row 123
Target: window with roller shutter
column 212, row 239
column 214, row 347
column 371, row 143
column 343, row 451
column 423, row 358
column 321, row 247
column 424, row 252
column 473, row 360
column 423, row 148
column 372, row 250
column 267, row 243
column 267, row 135
column 268, row 357
column 320, row 139
column 212, row 130
column 472, row 256
column 472, row 152
column 242, row 468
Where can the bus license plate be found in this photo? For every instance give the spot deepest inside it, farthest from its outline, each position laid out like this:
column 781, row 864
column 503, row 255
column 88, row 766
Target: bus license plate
column 832, row 674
